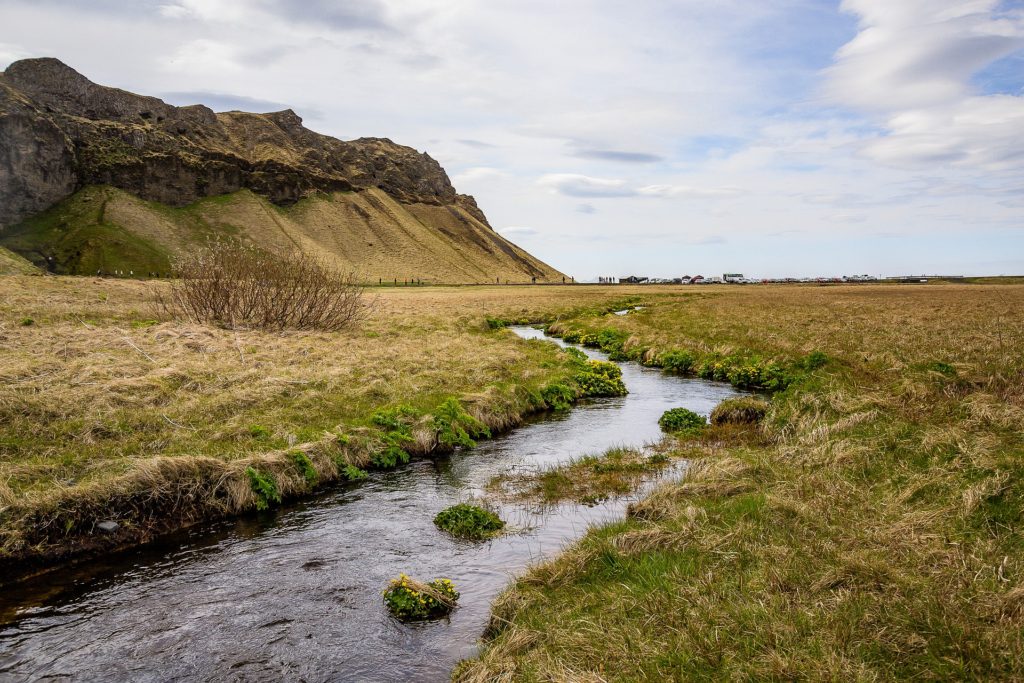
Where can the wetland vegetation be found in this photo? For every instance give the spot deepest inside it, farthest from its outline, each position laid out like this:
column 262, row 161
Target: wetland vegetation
column 863, row 524
column 858, row 518
column 112, row 410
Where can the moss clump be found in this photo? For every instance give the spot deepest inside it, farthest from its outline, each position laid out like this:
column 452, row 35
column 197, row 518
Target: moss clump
column 411, row 600
column 468, row 521
column 265, row 488
column 745, row 410
column 27, row 322
column 681, row 420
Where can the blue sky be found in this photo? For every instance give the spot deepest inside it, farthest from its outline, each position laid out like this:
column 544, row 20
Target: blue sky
column 788, row 137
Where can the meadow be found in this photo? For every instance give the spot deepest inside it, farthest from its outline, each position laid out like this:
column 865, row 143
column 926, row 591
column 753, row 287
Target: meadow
column 112, row 411
column 868, row 528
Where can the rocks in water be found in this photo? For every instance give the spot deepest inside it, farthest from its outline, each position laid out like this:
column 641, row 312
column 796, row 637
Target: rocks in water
column 108, row 526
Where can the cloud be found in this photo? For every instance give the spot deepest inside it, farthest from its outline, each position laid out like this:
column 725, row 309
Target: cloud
column 11, row 53
column 687, row 191
column 576, row 185
column 910, row 66
column 518, row 231
column 224, row 101
column 348, row 15
column 344, row 15
column 477, row 144
column 478, row 173
column 613, row 155
column 585, row 208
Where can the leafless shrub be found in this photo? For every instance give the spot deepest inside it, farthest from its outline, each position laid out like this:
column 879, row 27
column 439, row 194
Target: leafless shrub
column 236, row 286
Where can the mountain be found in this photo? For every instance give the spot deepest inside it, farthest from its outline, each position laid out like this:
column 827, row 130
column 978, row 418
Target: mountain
column 95, row 178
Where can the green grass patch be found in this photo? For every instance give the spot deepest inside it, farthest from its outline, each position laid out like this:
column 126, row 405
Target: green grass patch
column 466, row 520
column 264, row 486
column 410, row 600
column 681, row 420
column 305, row 467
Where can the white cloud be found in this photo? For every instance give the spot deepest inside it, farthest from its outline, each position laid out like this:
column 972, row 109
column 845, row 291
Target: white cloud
column 577, row 185
column 688, row 191
column 478, row 173
column 520, row 231
column 911, row 64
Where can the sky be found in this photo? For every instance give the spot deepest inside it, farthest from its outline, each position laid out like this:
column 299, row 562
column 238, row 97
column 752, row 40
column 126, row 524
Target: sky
column 655, row 137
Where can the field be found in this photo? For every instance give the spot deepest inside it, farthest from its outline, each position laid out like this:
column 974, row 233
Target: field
column 867, row 529
column 111, row 411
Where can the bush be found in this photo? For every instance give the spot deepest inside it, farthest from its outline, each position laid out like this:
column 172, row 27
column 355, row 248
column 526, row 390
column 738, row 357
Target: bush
column 389, row 457
column 353, row 473
column 745, row 410
column 681, row 420
column 678, row 362
column 455, row 427
column 305, row 466
column 265, row 488
column 495, row 323
column 396, row 423
column 600, row 378
column 234, row 286
column 468, row 521
column 558, row 396
column 411, row 600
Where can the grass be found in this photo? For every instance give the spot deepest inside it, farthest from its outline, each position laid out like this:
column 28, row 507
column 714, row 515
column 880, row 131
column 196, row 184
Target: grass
column 587, row 480
column 368, row 233
column 867, row 528
column 466, row 520
column 13, row 264
column 109, row 410
column 411, row 600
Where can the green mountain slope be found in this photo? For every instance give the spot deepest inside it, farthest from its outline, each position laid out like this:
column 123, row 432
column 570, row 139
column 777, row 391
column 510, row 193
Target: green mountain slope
column 368, row 232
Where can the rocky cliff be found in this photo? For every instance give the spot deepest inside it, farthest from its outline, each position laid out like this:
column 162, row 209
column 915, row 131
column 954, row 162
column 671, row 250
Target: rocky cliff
column 60, row 134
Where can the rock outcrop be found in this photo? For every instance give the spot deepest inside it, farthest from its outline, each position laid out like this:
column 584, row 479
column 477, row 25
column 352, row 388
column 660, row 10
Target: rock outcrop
column 60, row 132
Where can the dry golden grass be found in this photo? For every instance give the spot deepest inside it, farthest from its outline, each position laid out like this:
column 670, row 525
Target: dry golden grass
column 873, row 535
column 107, row 407
column 368, row 233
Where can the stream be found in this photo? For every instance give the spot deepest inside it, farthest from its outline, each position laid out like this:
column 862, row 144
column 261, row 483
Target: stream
column 294, row 593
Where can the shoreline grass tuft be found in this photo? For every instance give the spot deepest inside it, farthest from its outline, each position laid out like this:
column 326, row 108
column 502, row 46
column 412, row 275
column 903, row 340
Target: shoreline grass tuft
column 469, row 521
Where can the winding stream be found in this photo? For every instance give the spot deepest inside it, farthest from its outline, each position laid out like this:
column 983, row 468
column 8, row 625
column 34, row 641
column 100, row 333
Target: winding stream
column 295, row 593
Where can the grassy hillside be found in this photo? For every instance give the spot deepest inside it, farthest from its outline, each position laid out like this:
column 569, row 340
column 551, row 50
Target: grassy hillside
column 13, row 264
column 867, row 530
column 368, row 232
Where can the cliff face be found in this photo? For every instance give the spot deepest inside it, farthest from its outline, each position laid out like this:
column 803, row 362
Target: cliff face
column 60, row 133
